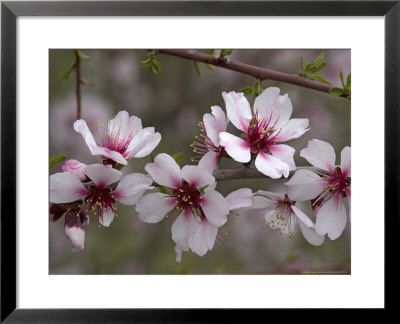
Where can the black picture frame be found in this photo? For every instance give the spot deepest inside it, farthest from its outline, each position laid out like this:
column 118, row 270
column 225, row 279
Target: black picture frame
column 9, row 13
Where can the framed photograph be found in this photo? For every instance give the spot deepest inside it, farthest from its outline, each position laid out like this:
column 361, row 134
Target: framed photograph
column 195, row 159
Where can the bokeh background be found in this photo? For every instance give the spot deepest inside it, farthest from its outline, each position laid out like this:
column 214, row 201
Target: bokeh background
column 174, row 101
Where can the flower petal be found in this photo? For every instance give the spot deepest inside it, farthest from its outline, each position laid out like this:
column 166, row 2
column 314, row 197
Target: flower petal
column 260, row 202
column 271, row 195
column 184, row 226
column 215, row 208
column 204, row 238
column 284, row 153
column 131, row 188
column 304, row 185
column 307, row 228
column 76, row 168
column 103, row 175
column 345, row 161
column 331, row 219
column 237, row 148
column 240, row 198
column 320, row 154
column 196, row 176
column 66, row 187
column 165, row 171
column 107, row 217
column 215, row 123
column 271, row 166
column 269, row 104
column 81, row 127
column 238, row 109
column 293, row 129
column 142, row 144
column 209, row 161
column 76, row 236
column 124, row 124
column 153, row 207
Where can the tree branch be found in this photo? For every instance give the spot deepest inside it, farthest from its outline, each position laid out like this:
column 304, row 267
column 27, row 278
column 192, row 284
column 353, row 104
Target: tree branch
column 257, row 72
column 78, row 84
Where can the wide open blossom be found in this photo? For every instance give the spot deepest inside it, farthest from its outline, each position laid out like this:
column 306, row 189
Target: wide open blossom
column 269, row 124
column 200, row 212
column 211, row 126
column 281, row 214
column 327, row 189
column 124, row 138
column 99, row 197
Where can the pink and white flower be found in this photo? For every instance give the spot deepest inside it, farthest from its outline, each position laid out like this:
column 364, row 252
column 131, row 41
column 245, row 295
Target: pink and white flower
column 75, row 167
column 99, row 196
column 327, row 189
column 124, row 139
column 268, row 125
column 199, row 213
column 211, row 126
column 282, row 214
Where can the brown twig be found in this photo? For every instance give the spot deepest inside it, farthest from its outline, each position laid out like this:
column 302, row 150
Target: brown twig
column 257, row 72
column 78, row 84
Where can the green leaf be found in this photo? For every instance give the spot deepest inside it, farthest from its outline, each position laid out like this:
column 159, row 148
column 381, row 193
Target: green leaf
column 55, row 159
column 335, row 91
column 225, row 52
column 319, row 59
column 304, row 64
column 119, row 166
column 65, row 74
column 319, row 78
column 202, row 189
column 342, row 79
column 247, row 90
column 82, row 55
column 316, row 67
column 197, row 68
column 348, row 85
column 178, row 157
column 162, row 189
column 209, row 66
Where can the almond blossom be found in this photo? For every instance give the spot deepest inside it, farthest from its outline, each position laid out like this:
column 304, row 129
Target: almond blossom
column 124, row 138
column 327, row 189
column 99, row 197
column 268, row 125
column 282, row 214
column 211, row 126
column 75, row 167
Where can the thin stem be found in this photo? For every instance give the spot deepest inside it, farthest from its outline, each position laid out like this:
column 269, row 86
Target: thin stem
column 257, row 72
column 78, row 85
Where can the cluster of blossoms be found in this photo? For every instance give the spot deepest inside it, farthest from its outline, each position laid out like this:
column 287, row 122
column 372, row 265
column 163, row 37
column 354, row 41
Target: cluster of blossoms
column 189, row 193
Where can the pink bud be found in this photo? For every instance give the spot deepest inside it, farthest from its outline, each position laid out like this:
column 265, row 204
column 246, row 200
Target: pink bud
column 76, row 168
column 76, row 235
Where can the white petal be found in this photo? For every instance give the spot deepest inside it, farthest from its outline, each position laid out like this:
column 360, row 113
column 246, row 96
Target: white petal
column 204, row 238
column 110, row 154
column 238, row 110
column 183, row 228
column 215, row 208
column 331, row 220
column 271, row 195
column 76, row 235
column 132, row 187
column 209, row 161
column 76, row 168
column 142, row 144
column 107, row 218
column 284, row 153
column 304, row 185
column 66, row 187
column 307, row 228
column 260, row 202
column 124, row 125
column 103, row 175
column 237, row 148
column 270, row 104
column 293, row 129
column 165, row 171
column 215, row 123
column 240, row 198
column 271, row 166
column 81, row 127
column 196, row 176
column 153, row 207
column 320, row 154
column 178, row 252
column 345, row 161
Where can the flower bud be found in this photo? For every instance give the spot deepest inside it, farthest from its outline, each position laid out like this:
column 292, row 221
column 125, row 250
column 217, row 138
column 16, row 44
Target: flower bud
column 76, row 168
column 76, row 235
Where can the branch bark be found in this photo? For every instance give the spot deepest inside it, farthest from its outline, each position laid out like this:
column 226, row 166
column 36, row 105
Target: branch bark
column 257, row 72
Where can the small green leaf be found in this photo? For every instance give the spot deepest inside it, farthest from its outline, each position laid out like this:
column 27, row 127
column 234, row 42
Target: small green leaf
column 55, row 159
column 316, row 67
column 225, row 52
column 178, row 157
column 209, row 66
column 319, row 59
column 247, row 90
column 202, row 189
column 342, row 79
column 119, row 166
column 335, row 91
column 82, row 55
column 348, row 85
column 304, row 64
column 65, row 74
column 319, row 78
column 162, row 189
column 197, row 68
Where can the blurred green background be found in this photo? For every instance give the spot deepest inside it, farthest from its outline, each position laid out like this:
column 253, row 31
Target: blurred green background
column 174, row 102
